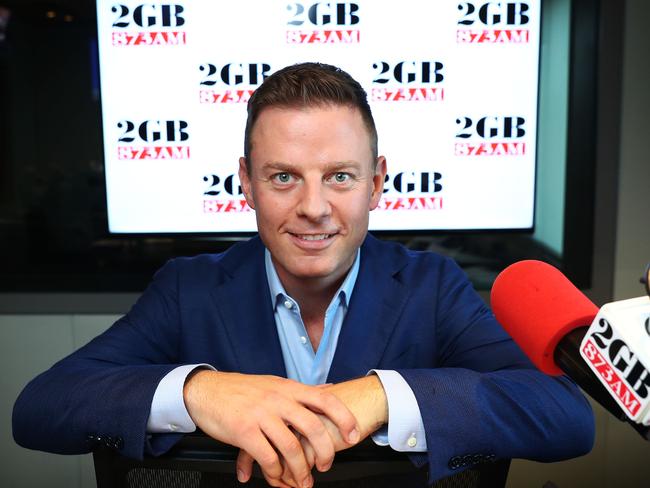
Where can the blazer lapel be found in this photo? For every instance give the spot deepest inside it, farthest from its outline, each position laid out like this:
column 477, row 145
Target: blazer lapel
column 244, row 306
column 377, row 302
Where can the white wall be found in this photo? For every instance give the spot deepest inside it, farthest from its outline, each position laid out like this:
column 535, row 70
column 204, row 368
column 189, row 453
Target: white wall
column 29, row 344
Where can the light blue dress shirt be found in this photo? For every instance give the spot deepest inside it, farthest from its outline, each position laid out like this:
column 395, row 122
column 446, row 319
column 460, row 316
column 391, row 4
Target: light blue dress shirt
column 405, row 430
column 300, row 360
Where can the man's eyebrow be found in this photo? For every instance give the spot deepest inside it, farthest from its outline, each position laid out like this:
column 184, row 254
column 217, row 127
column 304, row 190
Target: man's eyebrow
column 278, row 166
column 289, row 168
column 341, row 165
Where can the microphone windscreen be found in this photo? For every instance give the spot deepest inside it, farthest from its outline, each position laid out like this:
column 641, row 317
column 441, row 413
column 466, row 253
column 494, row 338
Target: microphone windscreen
column 538, row 306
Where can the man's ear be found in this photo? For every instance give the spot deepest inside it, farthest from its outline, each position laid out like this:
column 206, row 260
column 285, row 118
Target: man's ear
column 244, row 179
column 378, row 182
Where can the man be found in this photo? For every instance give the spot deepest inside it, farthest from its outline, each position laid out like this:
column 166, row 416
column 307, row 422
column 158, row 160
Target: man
column 407, row 350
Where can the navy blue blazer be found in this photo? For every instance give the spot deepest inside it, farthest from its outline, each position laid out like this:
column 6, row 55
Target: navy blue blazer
column 414, row 312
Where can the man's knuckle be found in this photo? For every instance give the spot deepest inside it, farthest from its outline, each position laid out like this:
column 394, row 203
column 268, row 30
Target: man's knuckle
column 330, row 401
column 269, row 462
column 327, row 397
column 293, row 447
column 269, row 480
column 315, row 427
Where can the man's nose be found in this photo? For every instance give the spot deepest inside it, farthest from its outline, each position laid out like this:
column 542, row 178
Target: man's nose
column 314, row 203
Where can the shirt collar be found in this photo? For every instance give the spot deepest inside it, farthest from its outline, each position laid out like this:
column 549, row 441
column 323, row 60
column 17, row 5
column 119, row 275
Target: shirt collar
column 278, row 291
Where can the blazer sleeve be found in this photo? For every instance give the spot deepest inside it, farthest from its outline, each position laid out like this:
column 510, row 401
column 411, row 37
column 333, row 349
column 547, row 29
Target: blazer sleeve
column 101, row 393
column 487, row 400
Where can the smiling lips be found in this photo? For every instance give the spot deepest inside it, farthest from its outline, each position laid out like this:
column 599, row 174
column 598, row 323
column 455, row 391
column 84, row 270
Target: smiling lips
column 313, row 237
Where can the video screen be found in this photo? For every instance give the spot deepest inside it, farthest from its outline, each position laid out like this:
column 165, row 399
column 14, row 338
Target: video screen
column 453, row 87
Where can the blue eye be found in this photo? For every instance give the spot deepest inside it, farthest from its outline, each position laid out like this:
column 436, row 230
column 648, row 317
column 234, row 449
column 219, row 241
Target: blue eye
column 341, row 177
column 282, row 177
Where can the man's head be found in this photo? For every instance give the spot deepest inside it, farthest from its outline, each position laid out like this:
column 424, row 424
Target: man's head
column 309, row 85
column 311, row 172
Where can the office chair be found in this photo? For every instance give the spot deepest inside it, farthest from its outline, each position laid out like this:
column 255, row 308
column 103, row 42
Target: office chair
column 198, row 461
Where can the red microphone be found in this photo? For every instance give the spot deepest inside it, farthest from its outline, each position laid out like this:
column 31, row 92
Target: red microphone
column 539, row 306
column 547, row 316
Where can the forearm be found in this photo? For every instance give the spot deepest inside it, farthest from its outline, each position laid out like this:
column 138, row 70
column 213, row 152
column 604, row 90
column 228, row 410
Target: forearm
column 59, row 410
column 514, row 413
column 366, row 399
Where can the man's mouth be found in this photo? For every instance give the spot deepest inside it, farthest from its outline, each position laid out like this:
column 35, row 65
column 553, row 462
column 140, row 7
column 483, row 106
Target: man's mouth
column 313, row 237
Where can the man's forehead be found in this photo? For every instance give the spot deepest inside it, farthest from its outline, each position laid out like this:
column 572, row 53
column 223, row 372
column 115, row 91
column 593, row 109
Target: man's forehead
column 314, row 108
column 294, row 124
column 278, row 119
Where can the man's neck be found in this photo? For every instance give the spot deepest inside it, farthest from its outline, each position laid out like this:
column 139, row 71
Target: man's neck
column 313, row 296
column 313, row 300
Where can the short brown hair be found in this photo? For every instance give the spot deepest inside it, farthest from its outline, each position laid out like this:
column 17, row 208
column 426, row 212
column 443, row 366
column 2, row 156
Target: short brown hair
column 309, row 85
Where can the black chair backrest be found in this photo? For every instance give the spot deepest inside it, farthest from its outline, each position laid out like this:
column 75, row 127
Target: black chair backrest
column 200, row 462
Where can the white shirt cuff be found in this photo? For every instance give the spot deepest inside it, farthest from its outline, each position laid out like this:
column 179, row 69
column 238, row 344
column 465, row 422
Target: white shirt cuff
column 405, row 431
column 168, row 412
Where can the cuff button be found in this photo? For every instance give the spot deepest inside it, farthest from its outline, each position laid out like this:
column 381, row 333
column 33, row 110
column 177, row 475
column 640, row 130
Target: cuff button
column 412, row 441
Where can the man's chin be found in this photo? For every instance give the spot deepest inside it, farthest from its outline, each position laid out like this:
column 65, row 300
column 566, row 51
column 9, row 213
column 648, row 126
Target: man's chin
column 312, row 273
column 312, row 269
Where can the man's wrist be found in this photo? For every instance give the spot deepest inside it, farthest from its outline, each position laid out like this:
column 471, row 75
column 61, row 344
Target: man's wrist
column 379, row 401
column 192, row 390
column 366, row 399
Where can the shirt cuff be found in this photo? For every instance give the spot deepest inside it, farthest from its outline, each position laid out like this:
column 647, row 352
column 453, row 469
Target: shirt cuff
column 168, row 412
column 405, row 431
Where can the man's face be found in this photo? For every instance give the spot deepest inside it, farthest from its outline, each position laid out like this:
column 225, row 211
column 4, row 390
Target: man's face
column 312, row 184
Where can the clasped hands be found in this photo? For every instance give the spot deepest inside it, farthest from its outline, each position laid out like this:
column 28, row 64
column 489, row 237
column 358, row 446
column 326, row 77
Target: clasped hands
column 285, row 426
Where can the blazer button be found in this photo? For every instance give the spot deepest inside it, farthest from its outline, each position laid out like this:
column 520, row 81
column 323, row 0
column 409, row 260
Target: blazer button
column 93, row 440
column 454, row 463
column 119, row 443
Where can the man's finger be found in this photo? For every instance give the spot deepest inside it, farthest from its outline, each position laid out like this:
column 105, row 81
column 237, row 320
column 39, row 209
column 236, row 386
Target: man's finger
column 333, row 408
column 290, row 448
column 244, row 466
column 261, row 451
column 245, row 471
column 313, row 430
column 279, row 483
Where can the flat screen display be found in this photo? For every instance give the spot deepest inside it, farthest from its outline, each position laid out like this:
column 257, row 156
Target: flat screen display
column 453, row 87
